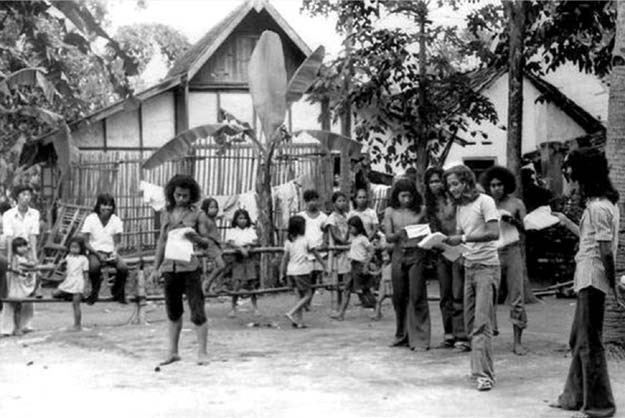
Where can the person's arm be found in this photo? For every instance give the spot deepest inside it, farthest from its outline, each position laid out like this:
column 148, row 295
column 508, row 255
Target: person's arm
column 607, row 259
column 284, row 262
column 160, row 249
column 391, row 235
column 201, row 237
column 336, row 235
column 490, row 233
column 519, row 215
column 566, row 222
column 320, row 259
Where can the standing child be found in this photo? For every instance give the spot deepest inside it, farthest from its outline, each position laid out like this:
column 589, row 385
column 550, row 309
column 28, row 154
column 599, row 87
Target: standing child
column 315, row 221
column 360, row 254
column 76, row 273
column 242, row 237
column 210, row 207
column 21, row 284
column 297, row 266
column 338, row 231
column 385, row 289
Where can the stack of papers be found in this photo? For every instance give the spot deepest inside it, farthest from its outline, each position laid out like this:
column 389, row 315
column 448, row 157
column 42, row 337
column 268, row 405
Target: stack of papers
column 178, row 247
column 417, row 230
column 540, row 218
column 432, row 240
column 437, row 240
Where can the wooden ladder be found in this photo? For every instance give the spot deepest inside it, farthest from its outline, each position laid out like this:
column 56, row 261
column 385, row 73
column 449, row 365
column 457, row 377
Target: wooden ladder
column 54, row 246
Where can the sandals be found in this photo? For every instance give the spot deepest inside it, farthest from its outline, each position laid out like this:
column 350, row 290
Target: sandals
column 484, row 384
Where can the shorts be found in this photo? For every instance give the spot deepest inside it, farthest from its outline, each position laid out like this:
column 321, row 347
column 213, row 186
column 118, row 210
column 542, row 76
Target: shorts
column 301, row 282
column 360, row 280
column 190, row 284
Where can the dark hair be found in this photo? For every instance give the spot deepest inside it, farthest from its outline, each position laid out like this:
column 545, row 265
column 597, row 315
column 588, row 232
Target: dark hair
column 80, row 242
column 502, row 174
column 18, row 242
column 430, row 198
column 406, row 185
column 104, row 199
column 336, row 195
column 238, row 213
column 297, row 227
column 310, row 194
column 181, row 181
column 17, row 190
column 356, row 194
column 356, row 222
column 206, row 204
column 466, row 176
column 4, row 206
column 590, row 169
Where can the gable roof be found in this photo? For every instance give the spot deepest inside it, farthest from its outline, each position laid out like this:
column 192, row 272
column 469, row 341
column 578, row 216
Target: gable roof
column 194, row 58
column 484, row 78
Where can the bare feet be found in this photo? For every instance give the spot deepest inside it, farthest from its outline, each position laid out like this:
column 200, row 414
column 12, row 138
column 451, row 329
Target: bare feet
column 580, row 414
column 256, row 312
column 18, row 333
column 290, row 318
column 376, row 316
column 555, row 404
column 519, row 350
column 337, row 315
column 232, row 313
column 76, row 328
column 202, row 359
column 172, row 358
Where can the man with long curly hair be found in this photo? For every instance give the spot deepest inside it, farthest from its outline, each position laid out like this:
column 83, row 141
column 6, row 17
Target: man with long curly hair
column 183, row 277
column 499, row 182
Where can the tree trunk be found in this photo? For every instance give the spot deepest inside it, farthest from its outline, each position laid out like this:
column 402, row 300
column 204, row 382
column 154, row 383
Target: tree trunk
column 614, row 327
column 265, row 217
column 422, row 140
column 515, row 12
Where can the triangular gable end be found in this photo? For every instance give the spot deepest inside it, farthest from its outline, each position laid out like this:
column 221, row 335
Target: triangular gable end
column 220, row 44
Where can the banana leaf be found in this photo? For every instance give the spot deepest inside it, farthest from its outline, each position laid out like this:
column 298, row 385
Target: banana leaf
column 180, row 145
column 28, row 77
column 305, row 75
column 267, row 81
column 333, row 141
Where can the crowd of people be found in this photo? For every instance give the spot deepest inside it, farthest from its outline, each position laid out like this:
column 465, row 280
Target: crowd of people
column 485, row 221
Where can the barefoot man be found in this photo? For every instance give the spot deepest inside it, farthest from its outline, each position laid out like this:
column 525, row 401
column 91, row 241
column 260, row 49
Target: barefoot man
column 499, row 182
column 183, row 277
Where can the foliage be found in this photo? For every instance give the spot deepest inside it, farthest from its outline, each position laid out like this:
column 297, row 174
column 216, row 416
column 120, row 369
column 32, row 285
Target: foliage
column 382, row 79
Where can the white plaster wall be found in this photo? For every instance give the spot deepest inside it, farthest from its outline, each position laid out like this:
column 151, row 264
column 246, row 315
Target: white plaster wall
column 159, row 124
column 122, row 130
column 238, row 104
column 203, row 108
column 305, row 115
column 89, row 135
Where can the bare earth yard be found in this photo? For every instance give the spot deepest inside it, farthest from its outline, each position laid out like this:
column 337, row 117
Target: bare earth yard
column 332, row 369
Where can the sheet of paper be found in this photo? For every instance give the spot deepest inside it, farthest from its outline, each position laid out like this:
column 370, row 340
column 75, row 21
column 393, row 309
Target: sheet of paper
column 540, row 218
column 452, row 253
column 432, row 240
column 417, row 230
column 178, row 247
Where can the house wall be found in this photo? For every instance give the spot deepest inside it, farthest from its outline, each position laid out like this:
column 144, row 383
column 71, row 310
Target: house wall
column 158, row 120
column 542, row 122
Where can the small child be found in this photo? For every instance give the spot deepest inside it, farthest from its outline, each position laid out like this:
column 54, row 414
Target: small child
column 76, row 274
column 385, row 289
column 338, row 231
column 241, row 237
column 296, row 267
column 21, row 284
column 360, row 254
column 315, row 221
column 210, row 207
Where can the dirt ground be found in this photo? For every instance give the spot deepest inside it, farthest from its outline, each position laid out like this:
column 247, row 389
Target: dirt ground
column 332, row 369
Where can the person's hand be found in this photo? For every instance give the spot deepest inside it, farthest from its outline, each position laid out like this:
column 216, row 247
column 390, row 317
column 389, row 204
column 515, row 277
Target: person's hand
column 619, row 294
column 454, row 240
column 101, row 257
column 507, row 218
column 561, row 217
column 245, row 252
column 154, row 276
column 192, row 236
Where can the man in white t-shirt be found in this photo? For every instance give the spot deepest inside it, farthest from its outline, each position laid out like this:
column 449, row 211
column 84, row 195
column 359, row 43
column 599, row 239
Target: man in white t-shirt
column 102, row 231
column 477, row 223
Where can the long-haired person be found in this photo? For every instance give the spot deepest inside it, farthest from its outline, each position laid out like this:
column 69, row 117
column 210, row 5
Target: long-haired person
column 477, row 223
column 587, row 388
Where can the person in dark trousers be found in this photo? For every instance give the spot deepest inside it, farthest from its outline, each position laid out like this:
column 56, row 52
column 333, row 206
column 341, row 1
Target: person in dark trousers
column 587, row 389
column 182, row 277
column 102, row 232
column 441, row 214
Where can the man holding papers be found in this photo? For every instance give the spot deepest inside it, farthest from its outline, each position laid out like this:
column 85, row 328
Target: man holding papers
column 184, row 226
column 477, row 222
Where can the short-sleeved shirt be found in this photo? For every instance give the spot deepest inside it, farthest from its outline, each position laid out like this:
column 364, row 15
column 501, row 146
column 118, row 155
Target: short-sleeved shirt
column 299, row 256
column 241, row 236
column 369, row 219
column 101, row 236
column 341, row 262
column 360, row 248
column 471, row 219
column 600, row 222
column 15, row 224
column 314, row 228
column 74, row 274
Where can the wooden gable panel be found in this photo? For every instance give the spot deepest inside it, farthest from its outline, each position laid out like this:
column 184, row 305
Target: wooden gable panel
column 229, row 64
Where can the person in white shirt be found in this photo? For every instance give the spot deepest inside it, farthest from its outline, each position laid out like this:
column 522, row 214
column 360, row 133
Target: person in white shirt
column 21, row 221
column 102, row 231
